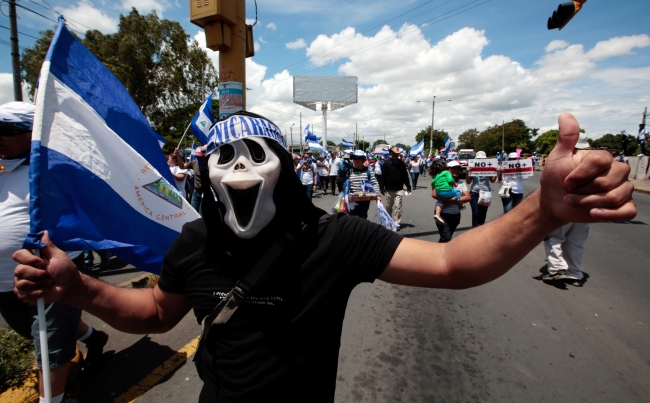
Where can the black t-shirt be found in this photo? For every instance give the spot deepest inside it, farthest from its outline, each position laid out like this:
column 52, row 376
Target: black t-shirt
column 282, row 343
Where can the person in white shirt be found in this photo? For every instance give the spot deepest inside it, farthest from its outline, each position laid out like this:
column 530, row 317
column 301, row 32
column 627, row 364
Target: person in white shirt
column 516, row 188
column 323, row 168
column 308, row 174
column 334, row 162
column 177, row 168
column 642, row 138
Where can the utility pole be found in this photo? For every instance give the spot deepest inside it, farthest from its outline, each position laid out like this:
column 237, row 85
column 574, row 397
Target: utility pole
column 433, row 110
column 15, row 51
column 503, row 135
column 645, row 115
column 301, row 135
column 356, row 134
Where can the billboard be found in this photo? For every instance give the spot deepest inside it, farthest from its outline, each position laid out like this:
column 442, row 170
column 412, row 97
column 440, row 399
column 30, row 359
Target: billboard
column 336, row 89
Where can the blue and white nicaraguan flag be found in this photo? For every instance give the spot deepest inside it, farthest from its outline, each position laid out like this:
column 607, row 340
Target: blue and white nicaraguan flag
column 203, row 120
column 98, row 179
column 417, row 149
column 315, row 146
column 309, row 133
column 447, row 145
column 346, row 144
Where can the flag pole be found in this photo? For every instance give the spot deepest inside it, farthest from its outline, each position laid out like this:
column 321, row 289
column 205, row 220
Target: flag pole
column 184, row 133
column 45, row 354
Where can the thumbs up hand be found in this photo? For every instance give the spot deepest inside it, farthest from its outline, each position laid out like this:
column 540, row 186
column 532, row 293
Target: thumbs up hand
column 50, row 276
column 584, row 185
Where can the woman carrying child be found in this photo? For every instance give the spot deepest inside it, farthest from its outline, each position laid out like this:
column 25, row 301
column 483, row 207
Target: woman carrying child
column 444, row 185
column 451, row 211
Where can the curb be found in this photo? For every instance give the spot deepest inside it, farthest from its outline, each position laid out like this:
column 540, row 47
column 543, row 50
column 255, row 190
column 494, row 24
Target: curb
column 646, row 191
column 28, row 392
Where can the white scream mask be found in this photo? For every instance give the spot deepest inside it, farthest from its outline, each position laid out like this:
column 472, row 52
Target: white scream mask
column 244, row 174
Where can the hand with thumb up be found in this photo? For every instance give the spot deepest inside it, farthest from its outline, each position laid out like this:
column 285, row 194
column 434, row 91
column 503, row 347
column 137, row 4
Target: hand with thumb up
column 584, row 185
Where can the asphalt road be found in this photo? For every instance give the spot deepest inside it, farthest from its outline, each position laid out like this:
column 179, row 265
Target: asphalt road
column 516, row 339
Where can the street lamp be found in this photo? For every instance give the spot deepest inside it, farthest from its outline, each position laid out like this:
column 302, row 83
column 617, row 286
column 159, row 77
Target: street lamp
column 433, row 109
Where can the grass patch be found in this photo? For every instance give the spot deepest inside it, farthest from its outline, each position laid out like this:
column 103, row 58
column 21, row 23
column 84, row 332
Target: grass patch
column 17, row 359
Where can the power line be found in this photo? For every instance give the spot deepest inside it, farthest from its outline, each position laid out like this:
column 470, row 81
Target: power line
column 22, row 33
column 39, row 14
column 7, row 43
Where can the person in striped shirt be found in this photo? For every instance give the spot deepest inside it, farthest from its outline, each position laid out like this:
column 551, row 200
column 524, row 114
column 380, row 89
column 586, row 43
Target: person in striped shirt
column 362, row 180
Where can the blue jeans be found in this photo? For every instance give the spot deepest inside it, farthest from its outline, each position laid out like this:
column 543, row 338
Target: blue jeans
column 361, row 209
column 511, row 202
column 447, row 194
column 309, row 189
column 414, row 179
column 197, row 202
column 479, row 213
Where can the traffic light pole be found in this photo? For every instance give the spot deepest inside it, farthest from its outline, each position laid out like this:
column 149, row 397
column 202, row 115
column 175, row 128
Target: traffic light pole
column 232, row 62
column 15, row 52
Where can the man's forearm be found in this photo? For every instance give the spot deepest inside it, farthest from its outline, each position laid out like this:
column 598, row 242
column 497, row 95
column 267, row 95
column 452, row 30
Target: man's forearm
column 492, row 249
column 130, row 310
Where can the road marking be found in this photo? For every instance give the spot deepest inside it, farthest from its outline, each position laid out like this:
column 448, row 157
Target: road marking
column 151, row 380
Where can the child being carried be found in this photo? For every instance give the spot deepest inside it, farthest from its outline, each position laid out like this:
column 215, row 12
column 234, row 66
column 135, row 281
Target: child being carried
column 444, row 184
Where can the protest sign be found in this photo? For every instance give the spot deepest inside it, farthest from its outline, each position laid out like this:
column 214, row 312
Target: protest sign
column 518, row 168
column 482, row 167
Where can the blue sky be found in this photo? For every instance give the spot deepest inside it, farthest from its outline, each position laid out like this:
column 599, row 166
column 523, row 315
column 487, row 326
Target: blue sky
column 495, row 61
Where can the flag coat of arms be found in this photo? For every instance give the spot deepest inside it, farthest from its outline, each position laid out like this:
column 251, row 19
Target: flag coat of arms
column 98, row 179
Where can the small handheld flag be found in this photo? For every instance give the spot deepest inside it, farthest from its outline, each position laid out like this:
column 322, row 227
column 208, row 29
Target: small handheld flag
column 203, row 120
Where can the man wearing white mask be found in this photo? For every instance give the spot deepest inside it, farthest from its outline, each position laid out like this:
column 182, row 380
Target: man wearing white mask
column 268, row 273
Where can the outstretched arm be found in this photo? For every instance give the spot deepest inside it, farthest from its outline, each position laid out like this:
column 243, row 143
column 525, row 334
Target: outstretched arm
column 54, row 277
column 576, row 186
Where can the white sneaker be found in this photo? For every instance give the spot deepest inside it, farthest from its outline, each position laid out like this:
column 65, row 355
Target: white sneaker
column 439, row 220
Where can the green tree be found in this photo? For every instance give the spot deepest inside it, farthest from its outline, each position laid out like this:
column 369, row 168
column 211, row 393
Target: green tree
column 438, row 139
column 467, row 139
column 517, row 135
column 615, row 142
column 166, row 75
column 546, row 141
column 331, row 143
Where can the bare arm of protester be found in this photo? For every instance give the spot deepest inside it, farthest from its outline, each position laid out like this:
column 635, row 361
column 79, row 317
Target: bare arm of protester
column 179, row 159
column 576, row 186
column 466, row 197
column 54, row 277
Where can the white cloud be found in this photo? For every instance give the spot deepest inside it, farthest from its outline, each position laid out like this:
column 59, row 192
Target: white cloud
column 256, row 46
column 396, row 68
column 7, row 89
column 145, row 6
column 556, row 44
column 297, row 44
column 91, row 18
column 271, row 26
column 250, row 21
column 618, row 46
column 259, row 38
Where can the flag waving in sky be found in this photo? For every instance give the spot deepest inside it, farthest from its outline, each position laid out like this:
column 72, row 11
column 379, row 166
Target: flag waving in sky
column 447, row 144
column 418, row 148
column 98, row 179
column 309, row 133
column 203, row 120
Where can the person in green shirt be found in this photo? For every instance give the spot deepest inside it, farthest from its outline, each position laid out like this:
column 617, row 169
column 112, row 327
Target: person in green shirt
column 443, row 183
